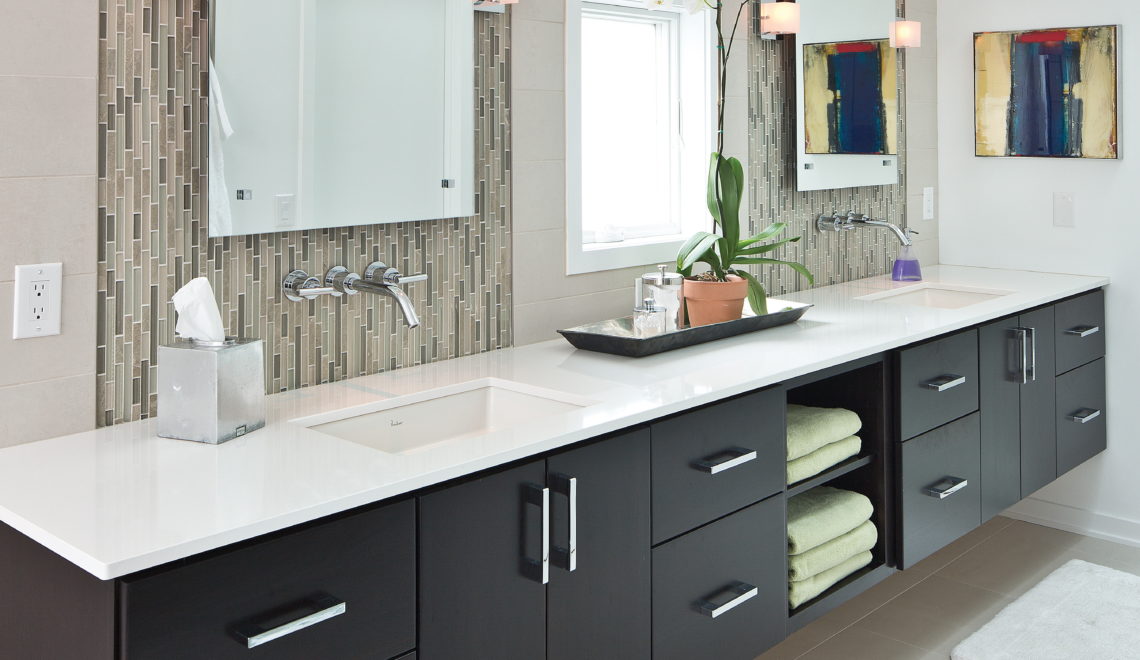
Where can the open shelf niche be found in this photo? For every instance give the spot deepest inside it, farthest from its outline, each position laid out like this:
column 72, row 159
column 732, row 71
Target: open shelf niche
column 862, row 387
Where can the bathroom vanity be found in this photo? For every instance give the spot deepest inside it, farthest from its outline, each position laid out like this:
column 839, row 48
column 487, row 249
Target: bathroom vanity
column 641, row 514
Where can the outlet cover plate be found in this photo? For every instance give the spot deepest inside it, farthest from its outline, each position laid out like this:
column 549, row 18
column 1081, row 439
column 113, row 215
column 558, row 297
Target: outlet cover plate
column 1064, row 209
column 37, row 307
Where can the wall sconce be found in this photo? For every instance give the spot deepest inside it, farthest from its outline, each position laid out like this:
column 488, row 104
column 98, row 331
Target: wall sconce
column 776, row 19
column 906, row 34
column 493, row 5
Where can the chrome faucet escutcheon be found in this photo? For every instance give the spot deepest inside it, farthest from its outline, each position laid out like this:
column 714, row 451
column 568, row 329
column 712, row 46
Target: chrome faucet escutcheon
column 379, row 278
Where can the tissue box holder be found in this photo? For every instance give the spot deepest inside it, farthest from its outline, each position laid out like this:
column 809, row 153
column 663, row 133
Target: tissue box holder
column 211, row 392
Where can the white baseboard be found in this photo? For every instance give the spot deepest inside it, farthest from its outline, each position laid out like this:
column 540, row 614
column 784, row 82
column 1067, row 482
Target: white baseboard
column 1078, row 521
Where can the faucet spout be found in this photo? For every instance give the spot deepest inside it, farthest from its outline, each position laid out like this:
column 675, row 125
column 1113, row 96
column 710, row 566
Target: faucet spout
column 395, row 292
column 902, row 235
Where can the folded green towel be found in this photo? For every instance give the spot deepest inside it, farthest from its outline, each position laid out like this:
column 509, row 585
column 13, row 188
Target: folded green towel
column 811, row 428
column 804, row 590
column 823, row 458
column 823, row 514
column 833, row 553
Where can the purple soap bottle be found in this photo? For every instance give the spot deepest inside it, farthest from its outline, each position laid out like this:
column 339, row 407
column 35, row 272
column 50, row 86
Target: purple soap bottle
column 906, row 266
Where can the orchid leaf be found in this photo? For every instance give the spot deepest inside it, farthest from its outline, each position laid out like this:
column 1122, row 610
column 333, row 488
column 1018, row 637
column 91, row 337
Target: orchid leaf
column 799, row 268
column 774, row 229
column 694, row 250
column 761, row 249
column 757, row 297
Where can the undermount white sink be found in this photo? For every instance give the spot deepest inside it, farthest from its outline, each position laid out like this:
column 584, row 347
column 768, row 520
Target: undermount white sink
column 412, row 423
column 938, row 296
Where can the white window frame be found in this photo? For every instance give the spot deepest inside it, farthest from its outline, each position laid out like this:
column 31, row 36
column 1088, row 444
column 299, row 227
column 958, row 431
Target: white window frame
column 694, row 86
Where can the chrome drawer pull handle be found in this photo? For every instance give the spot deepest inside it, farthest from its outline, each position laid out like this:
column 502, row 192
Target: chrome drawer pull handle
column 325, row 608
column 741, row 593
column 943, row 383
column 726, row 460
column 946, row 487
column 1084, row 415
column 538, row 569
column 1083, row 331
column 567, row 558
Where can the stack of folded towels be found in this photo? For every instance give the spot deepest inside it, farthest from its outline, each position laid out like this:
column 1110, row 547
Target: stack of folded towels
column 830, row 536
column 819, row 438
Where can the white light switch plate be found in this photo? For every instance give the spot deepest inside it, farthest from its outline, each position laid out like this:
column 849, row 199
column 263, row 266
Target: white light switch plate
column 37, row 306
column 928, row 203
column 1064, row 210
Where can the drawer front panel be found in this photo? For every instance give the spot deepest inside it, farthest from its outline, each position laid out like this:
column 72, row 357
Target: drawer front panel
column 1082, row 430
column 352, row 579
column 941, row 494
column 714, row 570
column 1080, row 331
column 716, row 460
column 938, row 382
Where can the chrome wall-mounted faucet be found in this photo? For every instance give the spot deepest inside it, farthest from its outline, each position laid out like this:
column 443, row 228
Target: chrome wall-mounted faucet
column 379, row 278
column 855, row 220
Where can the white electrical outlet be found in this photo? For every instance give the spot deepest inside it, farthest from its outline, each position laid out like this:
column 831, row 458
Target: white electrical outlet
column 36, row 311
column 1064, row 210
column 286, row 209
column 928, row 203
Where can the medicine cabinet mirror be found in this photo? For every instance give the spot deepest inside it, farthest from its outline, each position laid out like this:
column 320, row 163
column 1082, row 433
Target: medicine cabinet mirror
column 334, row 113
column 847, row 99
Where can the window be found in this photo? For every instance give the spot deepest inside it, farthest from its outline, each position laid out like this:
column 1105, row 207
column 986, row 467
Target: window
column 640, row 90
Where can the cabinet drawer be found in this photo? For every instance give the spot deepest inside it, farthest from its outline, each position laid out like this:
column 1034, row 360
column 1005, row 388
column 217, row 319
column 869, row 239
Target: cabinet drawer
column 1080, row 331
column 941, row 494
column 734, row 568
column 1082, row 431
column 716, row 460
column 938, row 382
column 356, row 573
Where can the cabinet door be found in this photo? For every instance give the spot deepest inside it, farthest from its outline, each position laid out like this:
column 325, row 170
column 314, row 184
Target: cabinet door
column 940, row 498
column 600, row 609
column 1081, row 417
column 351, row 580
column 1038, row 405
column 999, row 367
column 721, row 591
column 480, row 594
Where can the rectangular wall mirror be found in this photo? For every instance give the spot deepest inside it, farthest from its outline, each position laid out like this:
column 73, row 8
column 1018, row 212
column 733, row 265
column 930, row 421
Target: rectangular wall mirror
column 335, row 113
column 847, row 100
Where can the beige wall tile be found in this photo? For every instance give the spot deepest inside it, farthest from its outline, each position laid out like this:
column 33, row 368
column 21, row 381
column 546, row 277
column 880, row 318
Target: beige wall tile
column 539, row 10
column 538, row 56
column 47, row 409
column 539, row 125
column 48, row 127
column 541, row 255
column 539, row 196
column 540, row 321
column 68, row 354
column 49, row 37
column 48, row 220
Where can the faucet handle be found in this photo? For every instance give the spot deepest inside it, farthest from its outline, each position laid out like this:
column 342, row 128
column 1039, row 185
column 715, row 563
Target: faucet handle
column 379, row 272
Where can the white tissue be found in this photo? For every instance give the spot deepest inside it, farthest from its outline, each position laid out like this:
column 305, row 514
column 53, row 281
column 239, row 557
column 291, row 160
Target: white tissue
column 198, row 315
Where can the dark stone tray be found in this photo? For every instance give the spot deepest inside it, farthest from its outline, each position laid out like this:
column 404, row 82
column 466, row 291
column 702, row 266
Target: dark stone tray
column 617, row 337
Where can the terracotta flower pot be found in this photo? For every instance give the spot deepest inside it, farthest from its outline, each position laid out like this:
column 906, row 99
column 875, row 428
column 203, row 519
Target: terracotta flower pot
column 715, row 302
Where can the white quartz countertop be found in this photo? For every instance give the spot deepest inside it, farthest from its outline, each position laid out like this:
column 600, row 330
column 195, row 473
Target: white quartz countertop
column 120, row 500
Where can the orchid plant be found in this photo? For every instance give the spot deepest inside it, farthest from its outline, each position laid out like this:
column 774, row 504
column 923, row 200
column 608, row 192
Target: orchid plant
column 725, row 251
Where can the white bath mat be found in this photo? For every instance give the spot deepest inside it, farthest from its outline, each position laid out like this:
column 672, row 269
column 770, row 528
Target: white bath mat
column 1081, row 610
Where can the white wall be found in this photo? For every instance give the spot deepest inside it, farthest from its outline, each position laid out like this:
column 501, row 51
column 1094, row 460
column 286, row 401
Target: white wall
column 998, row 213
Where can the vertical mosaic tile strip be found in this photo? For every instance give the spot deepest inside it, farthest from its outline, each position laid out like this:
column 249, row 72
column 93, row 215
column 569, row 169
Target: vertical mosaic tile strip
column 831, row 257
column 153, row 234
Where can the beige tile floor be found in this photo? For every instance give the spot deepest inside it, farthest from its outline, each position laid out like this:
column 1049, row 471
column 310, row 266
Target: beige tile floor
column 922, row 613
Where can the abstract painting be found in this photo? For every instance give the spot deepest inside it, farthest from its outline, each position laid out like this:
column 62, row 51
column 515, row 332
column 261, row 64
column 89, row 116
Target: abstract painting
column 1046, row 93
column 851, row 98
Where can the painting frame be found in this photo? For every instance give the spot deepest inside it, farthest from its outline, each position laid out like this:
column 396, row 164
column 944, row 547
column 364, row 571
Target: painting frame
column 1106, row 149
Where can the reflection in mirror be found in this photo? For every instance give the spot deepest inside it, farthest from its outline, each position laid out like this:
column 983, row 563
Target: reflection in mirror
column 847, row 97
column 335, row 113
